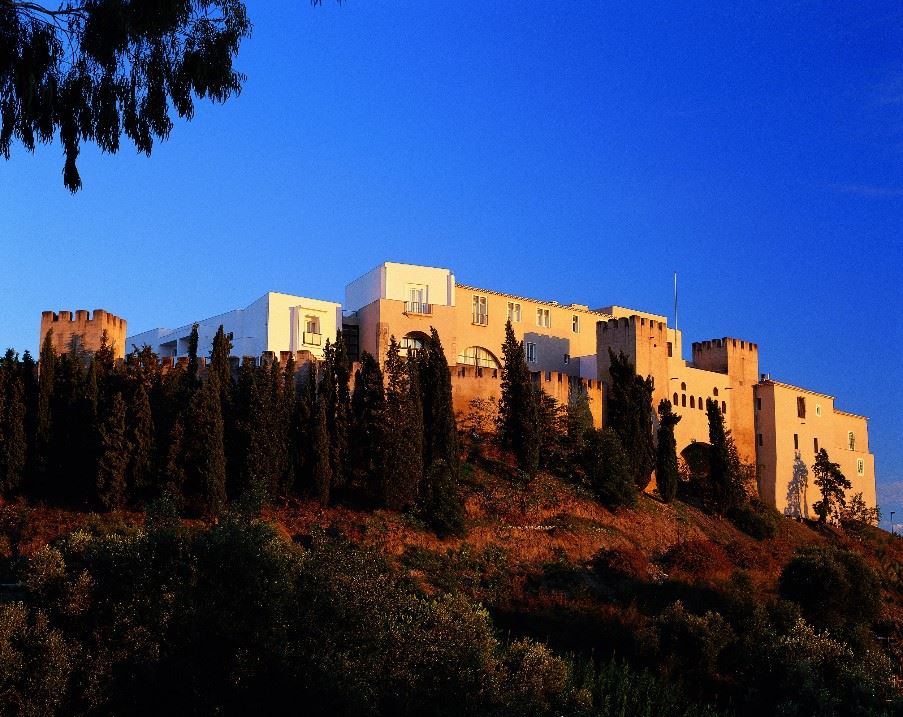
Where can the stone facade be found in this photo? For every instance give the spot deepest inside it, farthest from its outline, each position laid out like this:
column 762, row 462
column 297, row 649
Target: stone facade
column 84, row 329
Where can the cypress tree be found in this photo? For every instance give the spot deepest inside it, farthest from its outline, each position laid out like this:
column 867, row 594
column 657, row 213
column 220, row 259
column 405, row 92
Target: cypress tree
column 192, row 376
column 43, row 464
column 205, row 457
column 320, row 460
column 339, row 409
column 287, row 400
column 519, row 410
column 141, row 440
column 607, row 469
column 368, row 428
column 578, row 420
column 442, row 503
column 630, row 416
column 440, row 440
column 302, row 431
column 666, row 473
column 29, row 373
column 243, row 477
column 12, row 425
column 114, row 456
column 725, row 480
column 403, row 441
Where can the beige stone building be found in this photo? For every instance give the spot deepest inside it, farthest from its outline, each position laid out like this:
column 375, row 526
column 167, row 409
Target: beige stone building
column 566, row 348
column 792, row 424
column 85, row 329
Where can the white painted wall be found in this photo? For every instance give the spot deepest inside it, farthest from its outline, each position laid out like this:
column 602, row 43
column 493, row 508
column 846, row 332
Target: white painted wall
column 271, row 323
column 391, row 280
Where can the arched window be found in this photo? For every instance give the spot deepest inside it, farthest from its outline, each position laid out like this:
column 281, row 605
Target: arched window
column 675, row 400
column 412, row 343
column 683, row 400
column 478, row 356
column 692, row 402
column 724, row 407
column 714, row 391
column 683, row 386
column 700, row 404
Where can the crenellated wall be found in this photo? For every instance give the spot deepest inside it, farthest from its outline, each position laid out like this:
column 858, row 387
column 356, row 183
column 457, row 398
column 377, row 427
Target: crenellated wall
column 85, row 328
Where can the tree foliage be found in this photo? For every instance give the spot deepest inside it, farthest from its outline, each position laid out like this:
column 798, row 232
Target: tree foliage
column 832, row 484
column 629, row 415
column 95, row 70
column 666, row 469
column 518, row 410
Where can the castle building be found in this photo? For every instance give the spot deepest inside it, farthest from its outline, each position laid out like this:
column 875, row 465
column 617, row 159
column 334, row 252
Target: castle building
column 84, row 330
column 566, row 348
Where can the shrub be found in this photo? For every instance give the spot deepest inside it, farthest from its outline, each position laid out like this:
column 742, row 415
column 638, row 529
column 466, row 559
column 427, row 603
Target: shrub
column 756, row 519
column 835, row 588
column 607, row 469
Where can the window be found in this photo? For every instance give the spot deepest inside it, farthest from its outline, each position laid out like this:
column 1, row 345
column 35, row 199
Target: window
column 860, row 467
column 758, row 404
column 479, row 357
column 724, row 408
column 675, row 400
column 312, row 335
column 543, row 318
column 796, row 441
column 411, row 344
column 700, row 404
column 530, row 349
column 513, row 312
column 759, row 439
column 567, row 358
column 575, row 324
column 480, row 311
column 815, row 442
column 851, row 440
column 801, row 406
column 670, row 350
column 683, row 400
column 715, row 391
column 692, row 402
column 817, row 409
column 683, row 386
column 416, row 303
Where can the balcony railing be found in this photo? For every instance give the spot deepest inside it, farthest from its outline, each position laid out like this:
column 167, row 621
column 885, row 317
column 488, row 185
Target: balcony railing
column 418, row 307
column 312, row 339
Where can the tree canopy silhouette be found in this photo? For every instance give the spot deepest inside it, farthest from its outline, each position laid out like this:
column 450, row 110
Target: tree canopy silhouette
column 93, row 70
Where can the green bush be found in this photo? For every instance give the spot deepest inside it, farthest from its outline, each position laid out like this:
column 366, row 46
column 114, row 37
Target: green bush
column 756, row 519
column 835, row 588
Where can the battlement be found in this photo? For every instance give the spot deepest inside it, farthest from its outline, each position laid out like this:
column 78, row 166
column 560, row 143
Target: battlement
column 84, row 328
column 723, row 344
column 631, row 322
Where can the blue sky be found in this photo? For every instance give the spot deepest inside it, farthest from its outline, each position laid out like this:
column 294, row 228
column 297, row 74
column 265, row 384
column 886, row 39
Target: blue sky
column 578, row 151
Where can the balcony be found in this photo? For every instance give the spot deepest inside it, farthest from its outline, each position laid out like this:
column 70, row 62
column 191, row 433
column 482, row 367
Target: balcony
column 418, row 307
column 311, row 339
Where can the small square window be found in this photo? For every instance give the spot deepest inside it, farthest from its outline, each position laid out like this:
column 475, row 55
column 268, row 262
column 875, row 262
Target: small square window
column 575, row 324
column 817, row 409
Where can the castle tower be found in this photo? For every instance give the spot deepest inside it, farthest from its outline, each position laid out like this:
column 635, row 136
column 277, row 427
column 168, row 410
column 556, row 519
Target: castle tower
column 86, row 329
column 739, row 360
column 644, row 341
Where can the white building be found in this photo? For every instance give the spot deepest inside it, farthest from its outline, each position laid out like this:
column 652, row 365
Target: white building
column 275, row 322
